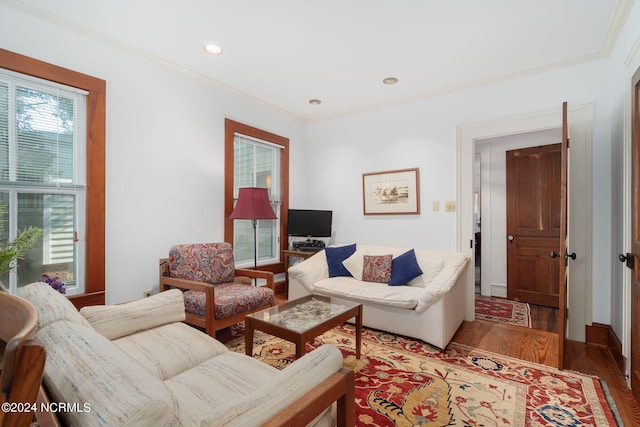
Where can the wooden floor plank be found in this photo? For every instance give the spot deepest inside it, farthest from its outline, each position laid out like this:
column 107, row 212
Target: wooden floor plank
column 515, row 341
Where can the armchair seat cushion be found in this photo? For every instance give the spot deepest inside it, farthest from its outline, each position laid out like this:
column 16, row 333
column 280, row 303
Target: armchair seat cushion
column 231, row 299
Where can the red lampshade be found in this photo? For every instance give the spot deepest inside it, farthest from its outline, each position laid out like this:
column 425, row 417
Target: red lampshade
column 253, row 203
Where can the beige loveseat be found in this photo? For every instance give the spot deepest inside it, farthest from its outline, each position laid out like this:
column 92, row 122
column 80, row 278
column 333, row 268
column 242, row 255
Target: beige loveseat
column 138, row 364
column 429, row 306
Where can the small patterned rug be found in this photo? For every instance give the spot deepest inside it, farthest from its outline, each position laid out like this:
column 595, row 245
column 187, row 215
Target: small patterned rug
column 503, row 311
column 405, row 382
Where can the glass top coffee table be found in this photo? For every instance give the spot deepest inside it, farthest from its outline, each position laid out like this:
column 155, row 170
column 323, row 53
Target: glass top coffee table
column 301, row 320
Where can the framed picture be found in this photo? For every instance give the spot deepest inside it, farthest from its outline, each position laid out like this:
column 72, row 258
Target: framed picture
column 391, row 192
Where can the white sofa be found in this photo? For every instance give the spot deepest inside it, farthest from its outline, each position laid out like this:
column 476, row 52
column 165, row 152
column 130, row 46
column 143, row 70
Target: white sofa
column 430, row 307
column 138, row 364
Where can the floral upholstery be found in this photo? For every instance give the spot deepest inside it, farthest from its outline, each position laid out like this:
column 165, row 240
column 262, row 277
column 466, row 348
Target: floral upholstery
column 202, row 262
column 213, row 263
column 231, row 299
column 377, row 268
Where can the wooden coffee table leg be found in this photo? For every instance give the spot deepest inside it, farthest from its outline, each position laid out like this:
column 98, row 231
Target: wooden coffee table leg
column 248, row 336
column 300, row 347
column 359, row 332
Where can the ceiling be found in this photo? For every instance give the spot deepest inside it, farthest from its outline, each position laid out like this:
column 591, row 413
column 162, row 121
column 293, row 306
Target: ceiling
column 283, row 53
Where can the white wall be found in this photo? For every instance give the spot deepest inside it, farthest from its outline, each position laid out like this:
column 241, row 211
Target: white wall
column 423, row 134
column 165, row 147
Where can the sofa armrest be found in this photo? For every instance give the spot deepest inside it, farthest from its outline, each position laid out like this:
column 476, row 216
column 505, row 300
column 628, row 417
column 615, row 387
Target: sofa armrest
column 310, row 271
column 339, row 388
column 283, row 400
column 443, row 282
column 115, row 321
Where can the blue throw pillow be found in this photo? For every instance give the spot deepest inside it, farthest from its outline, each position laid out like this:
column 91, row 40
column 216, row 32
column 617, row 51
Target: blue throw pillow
column 335, row 256
column 404, row 268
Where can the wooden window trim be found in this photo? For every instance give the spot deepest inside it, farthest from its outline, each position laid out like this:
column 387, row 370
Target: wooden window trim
column 96, row 142
column 231, row 128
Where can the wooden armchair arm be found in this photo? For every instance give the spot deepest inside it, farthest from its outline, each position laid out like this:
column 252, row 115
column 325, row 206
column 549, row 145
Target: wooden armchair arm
column 340, row 388
column 167, row 283
column 239, row 272
column 259, row 274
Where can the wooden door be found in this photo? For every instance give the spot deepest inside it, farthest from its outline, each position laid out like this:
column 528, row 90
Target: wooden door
column 563, row 254
column 634, row 257
column 533, row 224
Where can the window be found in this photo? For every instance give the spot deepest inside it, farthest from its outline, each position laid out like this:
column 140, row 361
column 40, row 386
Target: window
column 52, row 163
column 256, row 164
column 42, row 179
column 255, row 158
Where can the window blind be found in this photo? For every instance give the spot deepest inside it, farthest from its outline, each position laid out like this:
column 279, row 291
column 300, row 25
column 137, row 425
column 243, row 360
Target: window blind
column 42, row 129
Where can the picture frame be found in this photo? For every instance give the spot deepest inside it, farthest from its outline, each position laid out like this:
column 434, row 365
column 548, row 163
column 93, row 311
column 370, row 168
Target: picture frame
column 395, row 192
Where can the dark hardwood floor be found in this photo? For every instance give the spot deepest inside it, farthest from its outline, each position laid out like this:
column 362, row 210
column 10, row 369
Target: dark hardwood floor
column 544, row 318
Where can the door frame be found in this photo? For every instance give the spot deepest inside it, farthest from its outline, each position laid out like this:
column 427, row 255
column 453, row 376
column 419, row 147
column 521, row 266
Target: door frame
column 580, row 132
column 632, row 64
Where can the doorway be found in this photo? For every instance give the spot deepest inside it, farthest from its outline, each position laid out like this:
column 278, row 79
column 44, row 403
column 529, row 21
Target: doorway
column 580, row 281
column 490, row 188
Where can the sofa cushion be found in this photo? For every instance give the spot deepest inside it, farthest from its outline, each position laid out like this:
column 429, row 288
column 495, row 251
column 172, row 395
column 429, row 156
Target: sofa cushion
column 222, row 379
column 376, row 268
column 335, row 255
column 377, row 293
column 355, row 263
column 84, row 367
column 50, row 304
column 169, row 350
column 115, row 321
column 404, row 268
column 231, row 299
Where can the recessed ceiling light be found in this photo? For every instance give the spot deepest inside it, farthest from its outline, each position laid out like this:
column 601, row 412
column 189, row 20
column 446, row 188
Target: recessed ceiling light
column 315, row 101
column 390, row 81
column 213, row 49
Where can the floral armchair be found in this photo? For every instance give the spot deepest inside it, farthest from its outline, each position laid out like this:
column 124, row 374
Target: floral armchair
column 216, row 294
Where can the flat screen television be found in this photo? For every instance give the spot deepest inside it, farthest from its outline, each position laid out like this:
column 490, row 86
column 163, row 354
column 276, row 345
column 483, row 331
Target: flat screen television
column 309, row 223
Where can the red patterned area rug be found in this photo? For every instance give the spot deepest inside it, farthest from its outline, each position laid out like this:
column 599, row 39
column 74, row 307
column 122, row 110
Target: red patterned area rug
column 503, row 311
column 405, row 382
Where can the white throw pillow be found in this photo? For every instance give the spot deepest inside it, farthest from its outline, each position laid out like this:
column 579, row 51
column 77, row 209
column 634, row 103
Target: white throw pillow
column 355, row 263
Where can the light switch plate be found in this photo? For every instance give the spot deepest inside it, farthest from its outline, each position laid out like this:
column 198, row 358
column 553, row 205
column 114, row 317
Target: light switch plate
column 450, row 206
column 436, row 205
